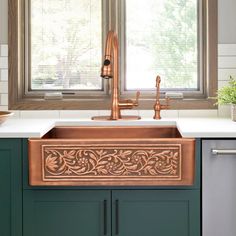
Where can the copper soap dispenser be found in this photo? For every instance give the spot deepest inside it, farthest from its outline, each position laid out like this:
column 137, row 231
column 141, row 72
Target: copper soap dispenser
column 158, row 106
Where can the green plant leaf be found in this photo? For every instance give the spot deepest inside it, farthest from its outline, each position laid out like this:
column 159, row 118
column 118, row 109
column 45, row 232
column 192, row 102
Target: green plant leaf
column 227, row 94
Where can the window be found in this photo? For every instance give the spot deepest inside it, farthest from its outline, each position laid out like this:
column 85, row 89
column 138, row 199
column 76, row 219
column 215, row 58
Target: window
column 163, row 41
column 65, row 42
column 58, row 47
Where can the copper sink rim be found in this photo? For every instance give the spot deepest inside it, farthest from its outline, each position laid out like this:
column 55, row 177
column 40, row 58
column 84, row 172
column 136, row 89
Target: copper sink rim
column 150, row 132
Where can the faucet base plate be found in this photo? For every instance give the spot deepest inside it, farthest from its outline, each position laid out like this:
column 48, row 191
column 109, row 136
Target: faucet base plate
column 121, row 118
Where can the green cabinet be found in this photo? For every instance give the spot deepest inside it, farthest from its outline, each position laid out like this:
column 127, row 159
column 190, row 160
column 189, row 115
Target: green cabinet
column 115, row 212
column 156, row 213
column 63, row 213
column 10, row 187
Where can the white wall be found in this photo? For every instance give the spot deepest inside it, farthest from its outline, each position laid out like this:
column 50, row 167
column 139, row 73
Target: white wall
column 227, row 66
column 3, row 21
column 227, row 21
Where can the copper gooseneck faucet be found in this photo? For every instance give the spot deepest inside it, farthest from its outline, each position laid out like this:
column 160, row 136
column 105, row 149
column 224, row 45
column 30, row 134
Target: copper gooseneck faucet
column 110, row 70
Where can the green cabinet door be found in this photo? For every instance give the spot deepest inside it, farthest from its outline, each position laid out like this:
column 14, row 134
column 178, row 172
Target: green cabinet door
column 10, row 187
column 156, row 213
column 66, row 213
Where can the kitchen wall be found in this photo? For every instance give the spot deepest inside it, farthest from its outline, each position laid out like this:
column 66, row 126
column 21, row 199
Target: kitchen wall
column 227, row 21
column 227, row 67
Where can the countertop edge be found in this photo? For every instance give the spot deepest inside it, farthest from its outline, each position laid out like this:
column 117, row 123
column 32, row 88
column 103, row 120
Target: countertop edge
column 188, row 127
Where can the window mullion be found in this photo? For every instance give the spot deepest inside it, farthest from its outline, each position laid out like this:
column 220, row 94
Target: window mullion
column 121, row 29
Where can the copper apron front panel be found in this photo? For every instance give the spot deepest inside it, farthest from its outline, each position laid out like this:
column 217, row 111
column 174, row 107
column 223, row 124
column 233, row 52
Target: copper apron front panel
column 111, row 162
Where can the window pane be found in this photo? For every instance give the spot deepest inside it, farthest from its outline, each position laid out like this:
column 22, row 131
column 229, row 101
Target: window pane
column 66, row 44
column 162, row 38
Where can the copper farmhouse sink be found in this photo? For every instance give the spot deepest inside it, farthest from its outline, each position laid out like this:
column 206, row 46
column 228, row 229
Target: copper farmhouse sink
column 114, row 156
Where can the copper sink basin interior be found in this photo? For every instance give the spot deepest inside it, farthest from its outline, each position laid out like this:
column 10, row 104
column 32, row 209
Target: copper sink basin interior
column 110, row 132
column 112, row 156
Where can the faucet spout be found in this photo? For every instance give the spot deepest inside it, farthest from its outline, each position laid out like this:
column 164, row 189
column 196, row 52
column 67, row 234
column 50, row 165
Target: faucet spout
column 110, row 70
column 112, row 58
column 110, row 64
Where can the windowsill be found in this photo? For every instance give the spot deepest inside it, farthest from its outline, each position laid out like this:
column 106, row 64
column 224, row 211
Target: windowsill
column 104, row 104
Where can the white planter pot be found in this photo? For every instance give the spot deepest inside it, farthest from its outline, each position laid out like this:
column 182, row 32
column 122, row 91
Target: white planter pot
column 233, row 112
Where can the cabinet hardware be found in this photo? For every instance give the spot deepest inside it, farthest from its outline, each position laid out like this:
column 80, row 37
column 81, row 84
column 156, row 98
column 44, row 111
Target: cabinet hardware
column 105, row 217
column 223, row 152
column 117, row 216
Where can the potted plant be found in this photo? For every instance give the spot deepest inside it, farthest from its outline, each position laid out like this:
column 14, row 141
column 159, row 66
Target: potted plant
column 227, row 95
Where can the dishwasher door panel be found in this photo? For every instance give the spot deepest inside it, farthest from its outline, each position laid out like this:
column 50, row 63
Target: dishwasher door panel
column 219, row 188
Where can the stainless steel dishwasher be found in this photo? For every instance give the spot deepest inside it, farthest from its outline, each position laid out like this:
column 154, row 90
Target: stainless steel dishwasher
column 219, row 187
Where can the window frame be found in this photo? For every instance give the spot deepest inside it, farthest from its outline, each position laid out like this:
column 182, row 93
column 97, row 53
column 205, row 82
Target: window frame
column 188, row 93
column 40, row 92
column 20, row 99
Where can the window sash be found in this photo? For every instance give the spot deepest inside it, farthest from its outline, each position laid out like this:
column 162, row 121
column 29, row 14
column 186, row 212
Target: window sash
column 188, row 93
column 71, row 92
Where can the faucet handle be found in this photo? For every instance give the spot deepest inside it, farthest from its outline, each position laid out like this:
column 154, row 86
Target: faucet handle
column 129, row 103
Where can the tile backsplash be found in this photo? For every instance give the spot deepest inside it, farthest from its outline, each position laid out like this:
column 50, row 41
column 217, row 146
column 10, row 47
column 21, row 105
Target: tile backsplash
column 226, row 67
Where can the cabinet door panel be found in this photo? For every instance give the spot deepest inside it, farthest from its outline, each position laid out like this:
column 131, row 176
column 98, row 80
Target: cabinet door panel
column 63, row 213
column 156, row 213
column 10, row 187
column 5, row 195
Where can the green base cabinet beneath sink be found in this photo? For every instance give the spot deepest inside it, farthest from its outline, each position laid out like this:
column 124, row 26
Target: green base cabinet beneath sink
column 156, row 213
column 132, row 212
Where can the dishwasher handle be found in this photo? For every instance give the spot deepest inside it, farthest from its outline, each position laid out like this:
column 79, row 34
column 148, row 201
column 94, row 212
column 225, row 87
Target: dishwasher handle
column 223, row 151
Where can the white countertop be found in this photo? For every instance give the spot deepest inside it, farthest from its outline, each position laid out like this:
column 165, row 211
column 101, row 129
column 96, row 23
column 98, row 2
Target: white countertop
column 188, row 127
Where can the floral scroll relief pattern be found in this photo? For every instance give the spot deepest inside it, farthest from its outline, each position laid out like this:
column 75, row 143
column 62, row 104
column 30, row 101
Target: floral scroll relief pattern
column 112, row 161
